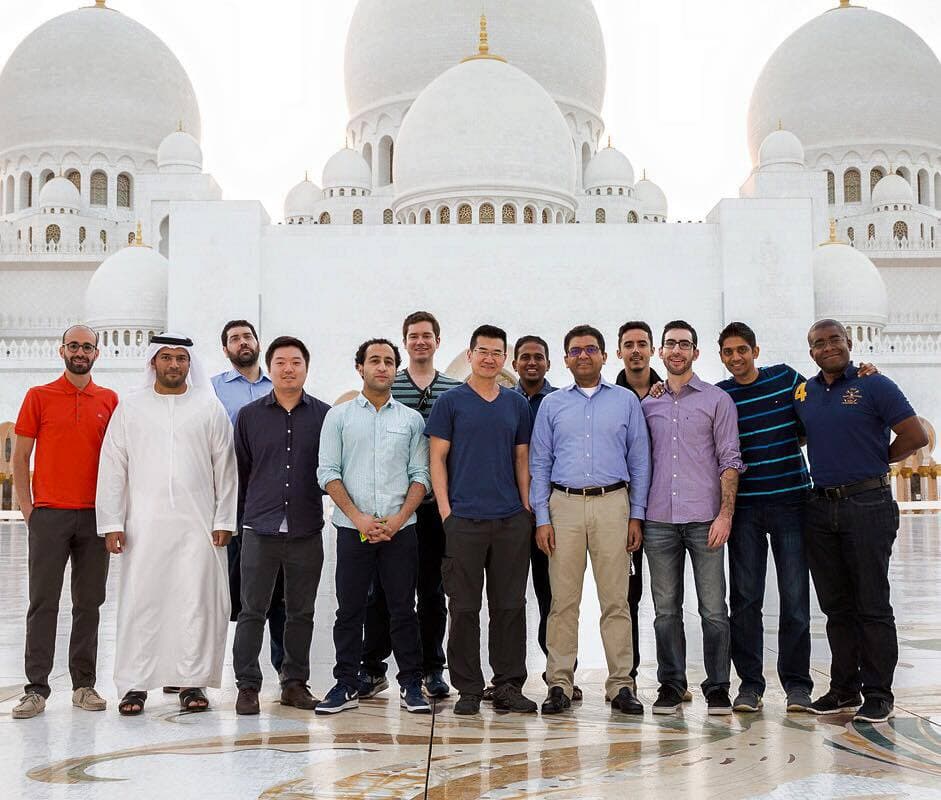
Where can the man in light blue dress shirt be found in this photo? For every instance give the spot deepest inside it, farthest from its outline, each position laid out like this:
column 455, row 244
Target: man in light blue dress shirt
column 590, row 466
column 374, row 465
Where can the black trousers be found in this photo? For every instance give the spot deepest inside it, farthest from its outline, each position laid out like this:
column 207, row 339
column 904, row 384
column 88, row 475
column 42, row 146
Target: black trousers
column 394, row 566
column 539, row 563
column 849, row 543
column 57, row 536
column 263, row 557
column 432, row 609
column 498, row 549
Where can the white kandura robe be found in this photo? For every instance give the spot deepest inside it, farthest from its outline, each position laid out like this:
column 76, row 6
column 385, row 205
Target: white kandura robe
column 167, row 478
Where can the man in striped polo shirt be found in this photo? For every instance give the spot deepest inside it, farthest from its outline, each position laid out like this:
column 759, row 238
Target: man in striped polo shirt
column 769, row 506
column 417, row 386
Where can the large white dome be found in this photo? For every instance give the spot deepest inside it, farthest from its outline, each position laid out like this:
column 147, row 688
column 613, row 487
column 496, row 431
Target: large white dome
column 128, row 290
column 485, row 127
column 302, row 200
column 850, row 77
column 848, row 286
column 60, row 193
column 395, row 48
column 346, row 168
column 179, row 153
column 93, row 77
column 891, row 190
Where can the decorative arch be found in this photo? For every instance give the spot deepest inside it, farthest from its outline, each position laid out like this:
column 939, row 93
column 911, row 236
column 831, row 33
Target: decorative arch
column 387, row 217
column 10, row 194
column 26, row 190
column 546, row 216
column 900, row 230
column 98, row 187
column 45, row 176
column 632, row 217
column 385, row 157
column 367, row 155
column 81, row 236
column 465, row 214
column 831, row 187
column 586, row 157
column 509, row 214
column 876, row 174
column 426, row 216
column 529, row 215
column 412, row 219
column 75, row 177
column 325, row 218
column 923, row 192
column 852, row 192
column 559, row 218
column 851, row 234
column 124, row 186
column 164, row 230
column 53, row 234
column 600, row 216
column 871, row 231
column 357, row 216
column 444, row 215
column 486, row 214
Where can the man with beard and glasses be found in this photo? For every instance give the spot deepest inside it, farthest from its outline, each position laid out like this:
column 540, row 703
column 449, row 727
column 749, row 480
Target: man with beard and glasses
column 65, row 421
column 696, row 463
column 235, row 388
column 418, row 387
column 166, row 503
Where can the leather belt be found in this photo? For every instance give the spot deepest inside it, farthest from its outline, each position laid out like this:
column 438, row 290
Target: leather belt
column 590, row 491
column 849, row 489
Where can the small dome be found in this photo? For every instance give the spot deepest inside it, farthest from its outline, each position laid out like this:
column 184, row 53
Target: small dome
column 609, row 167
column 179, row 152
column 347, row 168
column 651, row 197
column 781, row 150
column 848, row 286
column 60, row 193
column 892, row 190
column 485, row 127
column 129, row 289
column 302, row 200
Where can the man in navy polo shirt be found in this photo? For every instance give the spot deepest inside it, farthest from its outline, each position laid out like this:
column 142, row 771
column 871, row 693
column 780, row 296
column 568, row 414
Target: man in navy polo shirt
column 852, row 519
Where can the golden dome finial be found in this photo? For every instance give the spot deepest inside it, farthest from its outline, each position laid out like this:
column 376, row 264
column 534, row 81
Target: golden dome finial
column 179, row 126
column 844, row 3
column 780, row 126
column 483, row 44
column 306, row 179
column 609, row 141
column 100, row 4
column 139, row 236
column 643, row 174
column 833, row 239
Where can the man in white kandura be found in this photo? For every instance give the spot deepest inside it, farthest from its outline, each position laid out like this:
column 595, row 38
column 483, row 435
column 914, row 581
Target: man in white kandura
column 166, row 502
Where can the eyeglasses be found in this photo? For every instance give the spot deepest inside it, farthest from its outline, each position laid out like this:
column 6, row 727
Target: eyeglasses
column 494, row 354
column 591, row 350
column 74, row 347
column 832, row 341
column 683, row 344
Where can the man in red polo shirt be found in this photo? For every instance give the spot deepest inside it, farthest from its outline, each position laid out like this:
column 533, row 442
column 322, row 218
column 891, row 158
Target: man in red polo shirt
column 65, row 421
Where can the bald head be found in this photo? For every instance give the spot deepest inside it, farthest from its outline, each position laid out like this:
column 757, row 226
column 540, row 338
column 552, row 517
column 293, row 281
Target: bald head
column 70, row 333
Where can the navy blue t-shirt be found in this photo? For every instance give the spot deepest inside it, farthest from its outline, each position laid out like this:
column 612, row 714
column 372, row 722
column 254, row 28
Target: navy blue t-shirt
column 483, row 437
column 848, row 423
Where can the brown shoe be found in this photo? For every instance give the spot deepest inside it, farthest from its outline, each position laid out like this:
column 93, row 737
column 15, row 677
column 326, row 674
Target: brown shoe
column 247, row 702
column 299, row 696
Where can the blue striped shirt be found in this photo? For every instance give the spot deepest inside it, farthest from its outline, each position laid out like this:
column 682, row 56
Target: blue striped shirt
column 769, row 433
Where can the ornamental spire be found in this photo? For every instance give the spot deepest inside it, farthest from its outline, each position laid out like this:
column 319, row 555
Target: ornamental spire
column 139, row 236
column 483, row 44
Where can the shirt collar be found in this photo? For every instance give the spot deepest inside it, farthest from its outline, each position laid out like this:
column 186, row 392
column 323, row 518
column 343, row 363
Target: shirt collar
column 696, row 383
column 71, row 388
column 574, row 386
column 546, row 389
column 271, row 400
column 363, row 401
column 233, row 375
column 848, row 374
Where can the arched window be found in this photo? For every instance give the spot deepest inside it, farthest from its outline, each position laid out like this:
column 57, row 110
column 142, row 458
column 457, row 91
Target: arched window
column 76, row 177
column 559, row 218
column 871, row 231
column 923, row 190
column 851, row 186
column 353, row 192
column 99, row 189
column 610, row 190
column 487, row 214
column 599, row 215
column 81, row 235
column 426, row 217
column 103, row 236
column 47, row 175
column 26, row 191
column 922, row 234
column 900, row 230
column 546, row 216
column 464, row 214
column 632, row 216
column 509, row 214
column 342, row 192
column 831, row 188
column 357, row 216
column 851, row 234
column 130, row 238
column 387, row 218
column 53, row 234
column 124, row 190
column 412, row 219
column 529, row 215
column 876, row 174
column 444, row 215
column 621, row 190
column 325, row 218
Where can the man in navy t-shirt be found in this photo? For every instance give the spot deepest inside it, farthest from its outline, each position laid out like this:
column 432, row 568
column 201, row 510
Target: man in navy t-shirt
column 479, row 434
column 852, row 519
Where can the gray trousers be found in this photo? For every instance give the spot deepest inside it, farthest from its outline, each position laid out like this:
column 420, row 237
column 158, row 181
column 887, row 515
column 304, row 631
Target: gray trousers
column 262, row 557
column 56, row 536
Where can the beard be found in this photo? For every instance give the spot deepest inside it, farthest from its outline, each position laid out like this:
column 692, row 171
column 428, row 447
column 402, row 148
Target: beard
column 77, row 367
column 244, row 358
column 171, row 381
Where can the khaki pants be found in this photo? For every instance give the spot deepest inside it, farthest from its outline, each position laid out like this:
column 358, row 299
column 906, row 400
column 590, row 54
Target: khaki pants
column 595, row 526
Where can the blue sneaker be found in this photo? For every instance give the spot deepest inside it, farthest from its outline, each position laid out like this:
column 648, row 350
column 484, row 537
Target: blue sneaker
column 370, row 685
column 339, row 698
column 412, row 699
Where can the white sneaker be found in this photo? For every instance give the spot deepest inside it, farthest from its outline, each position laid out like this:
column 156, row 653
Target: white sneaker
column 29, row 706
column 87, row 698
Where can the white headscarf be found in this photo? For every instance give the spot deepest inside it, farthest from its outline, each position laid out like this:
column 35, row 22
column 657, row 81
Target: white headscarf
column 197, row 379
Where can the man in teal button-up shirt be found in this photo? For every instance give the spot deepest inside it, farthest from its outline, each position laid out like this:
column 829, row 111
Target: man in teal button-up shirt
column 374, row 464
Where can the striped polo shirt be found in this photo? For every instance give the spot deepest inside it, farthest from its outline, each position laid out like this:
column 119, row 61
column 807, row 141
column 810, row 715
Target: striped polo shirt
column 769, row 433
column 421, row 400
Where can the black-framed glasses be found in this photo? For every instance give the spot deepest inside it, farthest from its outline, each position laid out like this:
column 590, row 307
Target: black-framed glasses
column 683, row 344
column 85, row 347
column 590, row 350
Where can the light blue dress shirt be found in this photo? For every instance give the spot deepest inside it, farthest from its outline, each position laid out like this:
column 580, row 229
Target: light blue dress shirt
column 377, row 455
column 580, row 442
column 234, row 390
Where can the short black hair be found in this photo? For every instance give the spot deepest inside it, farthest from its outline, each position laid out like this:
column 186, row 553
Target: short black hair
column 488, row 332
column 286, row 341
column 237, row 323
column 530, row 339
column 360, row 357
column 583, row 330
column 635, row 325
column 679, row 323
column 827, row 323
column 80, row 325
column 421, row 316
column 741, row 330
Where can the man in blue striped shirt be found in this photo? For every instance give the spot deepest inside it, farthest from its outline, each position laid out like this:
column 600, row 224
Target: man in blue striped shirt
column 373, row 462
column 769, row 506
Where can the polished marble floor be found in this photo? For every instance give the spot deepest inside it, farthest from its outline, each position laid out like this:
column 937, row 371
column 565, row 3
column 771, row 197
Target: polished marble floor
column 380, row 752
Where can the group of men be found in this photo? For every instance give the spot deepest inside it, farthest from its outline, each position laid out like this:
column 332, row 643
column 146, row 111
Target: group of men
column 441, row 488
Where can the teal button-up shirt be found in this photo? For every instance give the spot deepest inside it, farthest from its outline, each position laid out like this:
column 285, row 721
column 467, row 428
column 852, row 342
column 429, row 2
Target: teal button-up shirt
column 377, row 455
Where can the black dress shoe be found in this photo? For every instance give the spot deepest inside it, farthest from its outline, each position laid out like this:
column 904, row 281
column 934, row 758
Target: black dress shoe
column 247, row 702
column 626, row 702
column 556, row 702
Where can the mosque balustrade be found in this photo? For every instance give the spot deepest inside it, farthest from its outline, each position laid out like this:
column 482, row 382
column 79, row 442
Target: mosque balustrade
column 47, row 349
column 92, row 247
column 890, row 244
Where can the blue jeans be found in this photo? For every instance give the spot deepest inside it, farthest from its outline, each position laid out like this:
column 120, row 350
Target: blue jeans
column 752, row 528
column 666, row 546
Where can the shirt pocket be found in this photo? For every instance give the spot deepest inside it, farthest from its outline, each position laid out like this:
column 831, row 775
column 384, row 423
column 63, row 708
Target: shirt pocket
column 696, row 430
column 399, row 441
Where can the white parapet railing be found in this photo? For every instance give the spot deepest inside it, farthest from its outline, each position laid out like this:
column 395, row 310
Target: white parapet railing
column 38, row 350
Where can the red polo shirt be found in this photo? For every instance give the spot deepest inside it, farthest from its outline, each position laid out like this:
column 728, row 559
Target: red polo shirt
column 68, row 425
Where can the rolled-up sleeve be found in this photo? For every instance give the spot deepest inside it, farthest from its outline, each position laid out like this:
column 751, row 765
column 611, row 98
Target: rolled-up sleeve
column 541, row 459
column 419, row 470
column 725, row 432
column 638, row 459
column 330, row 457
